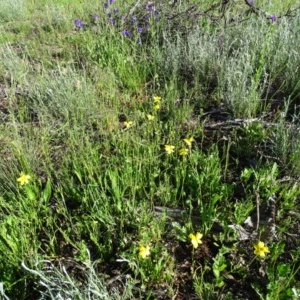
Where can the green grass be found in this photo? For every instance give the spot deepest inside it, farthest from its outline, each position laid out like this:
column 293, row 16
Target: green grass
column 79, row 115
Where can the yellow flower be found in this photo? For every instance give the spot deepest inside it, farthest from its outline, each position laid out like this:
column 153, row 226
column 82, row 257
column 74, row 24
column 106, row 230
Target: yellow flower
column 183, row 151
column 150, row 117
column 144, row 251
column 128, row 124
column 156, row 99
column 261, row 249
column 169, row 149
column 196, row 239
column 189, row 141
column 23, row 179
column 156, row 106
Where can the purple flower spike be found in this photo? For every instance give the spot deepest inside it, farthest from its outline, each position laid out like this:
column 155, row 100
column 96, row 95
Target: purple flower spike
column 126, row 33
column 140, row 29
column 95, row 18
column 116, row 10
column 105, row 5
column 108, row 14
column 149, row 7
column 156, row 13
column 111, row 1
column 78, row 23
column 112, row 21
column 273, row 18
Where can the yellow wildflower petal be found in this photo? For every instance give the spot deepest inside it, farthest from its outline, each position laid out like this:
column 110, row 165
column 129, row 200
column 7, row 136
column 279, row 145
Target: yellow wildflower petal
column 260, row 249
column 199, row 237
column 169, row 149
column 156, row 106
column 156, row 99
column 128, row 124
column 189, row 141
column 196, row 239
column 23, row 179
column 150, row 117
column 183, row 151
column 144, row 251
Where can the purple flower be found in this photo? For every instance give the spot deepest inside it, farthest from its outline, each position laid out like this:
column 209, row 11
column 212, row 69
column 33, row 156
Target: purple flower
column 95, row 18
column 116, row 10
column 133, row 19
column 78, row 23
column 156, row 12
column 139, row 40
column 140, row 29
column 108, row 14
column 149, row 7
column 105, row 5
column 126, row 33
column 147, row 16
column 273, row 18
column 112, row 21
column 250, row 2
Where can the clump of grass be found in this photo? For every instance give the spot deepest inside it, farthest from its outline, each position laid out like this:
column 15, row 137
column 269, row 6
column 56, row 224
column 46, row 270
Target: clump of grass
column 233, row 69
column 12, row 10
column 56, row 282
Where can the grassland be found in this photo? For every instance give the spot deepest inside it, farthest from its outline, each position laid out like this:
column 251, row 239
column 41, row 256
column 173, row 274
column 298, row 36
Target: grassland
column 149, row 151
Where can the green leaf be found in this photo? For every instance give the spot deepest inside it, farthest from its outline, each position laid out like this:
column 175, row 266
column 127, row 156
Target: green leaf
column 46, row 194
column 30, row 193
